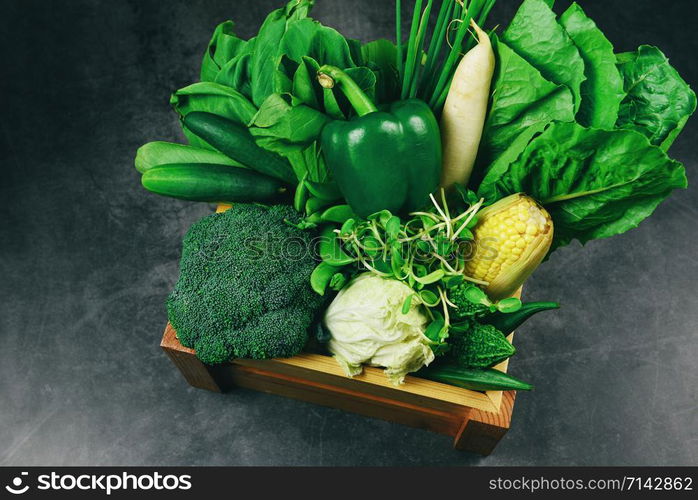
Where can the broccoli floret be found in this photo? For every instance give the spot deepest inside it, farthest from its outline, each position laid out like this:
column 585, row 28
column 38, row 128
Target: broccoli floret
column 478, row 346
column 244, row 289
column 465, row 307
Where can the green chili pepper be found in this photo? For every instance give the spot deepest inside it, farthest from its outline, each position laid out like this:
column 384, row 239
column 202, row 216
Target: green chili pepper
column 508, row 322
column 381, row 159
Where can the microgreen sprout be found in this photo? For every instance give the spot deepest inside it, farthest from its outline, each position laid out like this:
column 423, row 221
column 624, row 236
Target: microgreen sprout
column 427, row 251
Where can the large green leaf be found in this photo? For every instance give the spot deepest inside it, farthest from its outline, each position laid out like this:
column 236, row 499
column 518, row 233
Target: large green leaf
column 268, row 47
column 659, row 101
column 223, row 47
column 328, row 46
column 292, row 132
column 602, row 91
column 535, row 35
column 381, row 56
column 521, row 98
column 310, row 38
column 305, row 88
column 595, row 183
column 294, row 124
column 213, row 98
column 236, row 74
column 289, row 33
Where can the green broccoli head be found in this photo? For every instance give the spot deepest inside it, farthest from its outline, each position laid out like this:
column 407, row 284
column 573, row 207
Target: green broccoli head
column 244, row 289
column 474, row 345
column 465, row 308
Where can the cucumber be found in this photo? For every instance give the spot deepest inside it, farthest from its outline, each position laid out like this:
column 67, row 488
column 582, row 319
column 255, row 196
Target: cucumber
column 235, row 141
column 159, row 153
column 474, row 379
column 211, row 183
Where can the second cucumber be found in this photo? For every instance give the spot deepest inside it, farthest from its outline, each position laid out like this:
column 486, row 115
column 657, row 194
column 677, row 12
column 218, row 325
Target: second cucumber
column 211, row 183
column 235, row 141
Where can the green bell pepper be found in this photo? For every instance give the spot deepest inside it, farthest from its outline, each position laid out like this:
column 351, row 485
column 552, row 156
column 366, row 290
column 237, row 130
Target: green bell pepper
column 381, row 159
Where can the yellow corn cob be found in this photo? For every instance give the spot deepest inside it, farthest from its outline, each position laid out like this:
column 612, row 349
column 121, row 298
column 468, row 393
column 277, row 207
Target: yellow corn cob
column 512, row 237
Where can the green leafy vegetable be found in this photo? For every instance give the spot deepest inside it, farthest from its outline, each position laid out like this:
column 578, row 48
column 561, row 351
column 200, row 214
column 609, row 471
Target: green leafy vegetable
column 659, row 101
column 293, row 125
column 594, row 183
column 535, row 35
column 380, row 56
column 236, row 74
column 267, row 53
column 223, row 48
column 522, row 99
column 602, row 91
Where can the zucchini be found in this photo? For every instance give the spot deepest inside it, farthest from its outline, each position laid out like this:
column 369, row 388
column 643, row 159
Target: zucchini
column 474, row 379
column 159, row 153
column 234, row 140
column 211, row 183
column 508, row 322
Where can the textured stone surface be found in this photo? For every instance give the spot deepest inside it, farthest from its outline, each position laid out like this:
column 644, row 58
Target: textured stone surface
column 87, row 258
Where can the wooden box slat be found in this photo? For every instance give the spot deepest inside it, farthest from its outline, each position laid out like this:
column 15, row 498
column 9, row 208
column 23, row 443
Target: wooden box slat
column 476, row 420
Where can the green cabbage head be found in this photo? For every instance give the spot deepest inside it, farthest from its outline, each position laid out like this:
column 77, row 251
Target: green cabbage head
column 368, row 327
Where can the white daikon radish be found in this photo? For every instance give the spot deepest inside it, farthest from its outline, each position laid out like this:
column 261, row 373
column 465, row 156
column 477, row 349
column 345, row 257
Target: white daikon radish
column 464, row 111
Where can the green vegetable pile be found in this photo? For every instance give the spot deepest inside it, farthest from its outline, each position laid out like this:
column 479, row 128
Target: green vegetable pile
column 587, row 135
column 399, row 162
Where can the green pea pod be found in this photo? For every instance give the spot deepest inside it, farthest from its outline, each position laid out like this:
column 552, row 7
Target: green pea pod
column 474, row 379
column 508, row 322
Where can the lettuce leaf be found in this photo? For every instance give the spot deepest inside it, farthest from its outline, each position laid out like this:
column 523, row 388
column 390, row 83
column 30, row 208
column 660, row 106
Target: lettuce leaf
column 536, row 36
column 268, row 47
column 223, row 47
column 521, row 98
column 595, row 183
column 236, row 74
column 602, row 91
column 380, row 56
column 659, row 101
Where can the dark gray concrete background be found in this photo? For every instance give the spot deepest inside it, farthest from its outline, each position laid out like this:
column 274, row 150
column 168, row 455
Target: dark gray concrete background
column 87, row 258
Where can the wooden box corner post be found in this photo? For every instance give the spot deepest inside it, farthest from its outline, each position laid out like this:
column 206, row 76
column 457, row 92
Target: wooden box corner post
column 477, row 421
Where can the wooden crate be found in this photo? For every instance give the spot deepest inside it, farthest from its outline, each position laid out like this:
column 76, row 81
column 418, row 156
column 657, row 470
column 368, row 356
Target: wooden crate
column 476, row 420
